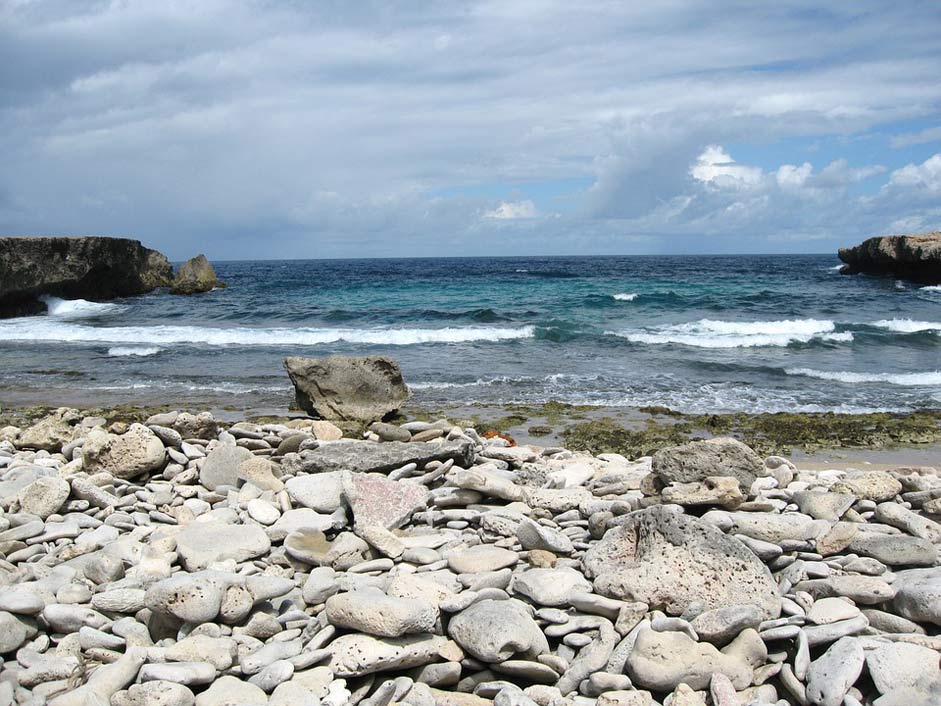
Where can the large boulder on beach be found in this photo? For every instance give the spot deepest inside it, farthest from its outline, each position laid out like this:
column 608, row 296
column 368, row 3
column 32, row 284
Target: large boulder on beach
column 698, row 460
column 128, row 455
column 916, row 257
column 89, row 267
column 670, row 560
column 195, row 276
column 347, row 388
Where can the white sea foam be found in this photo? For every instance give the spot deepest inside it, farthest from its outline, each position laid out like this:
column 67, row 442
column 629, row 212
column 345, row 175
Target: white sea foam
column 927, row 379
column 123, row 351
column 46, row 329
column 708, row 333
column 625, row 296
column 554, row 379
column 835, row 268
column 907, row 325
column 931, row 288
column 77, row 308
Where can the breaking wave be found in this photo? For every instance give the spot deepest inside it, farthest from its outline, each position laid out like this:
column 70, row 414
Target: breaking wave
column 708, row 333
column 77, row 308
column 928, row 379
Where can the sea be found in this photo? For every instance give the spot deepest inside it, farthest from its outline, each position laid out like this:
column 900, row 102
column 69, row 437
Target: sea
column 700, row 334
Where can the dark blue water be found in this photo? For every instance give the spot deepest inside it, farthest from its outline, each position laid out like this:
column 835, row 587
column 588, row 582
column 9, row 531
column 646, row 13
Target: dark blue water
column 744, row 333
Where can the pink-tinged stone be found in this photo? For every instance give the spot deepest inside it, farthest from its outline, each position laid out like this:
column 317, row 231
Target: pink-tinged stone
column 377, row 500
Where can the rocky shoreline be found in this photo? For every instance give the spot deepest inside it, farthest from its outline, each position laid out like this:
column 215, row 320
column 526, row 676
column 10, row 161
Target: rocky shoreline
column 916, row 257
column 190, row 561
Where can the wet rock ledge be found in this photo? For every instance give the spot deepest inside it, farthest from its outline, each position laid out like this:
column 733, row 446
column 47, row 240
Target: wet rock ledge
column 914, row 257
column 184, row 561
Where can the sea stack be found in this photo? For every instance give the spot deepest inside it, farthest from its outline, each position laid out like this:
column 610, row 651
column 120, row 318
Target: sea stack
column 195, row 276
column 915, row 257
column 83, row 267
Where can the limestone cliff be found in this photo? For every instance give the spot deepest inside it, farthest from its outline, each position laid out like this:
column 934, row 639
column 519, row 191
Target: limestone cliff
column 916, row 257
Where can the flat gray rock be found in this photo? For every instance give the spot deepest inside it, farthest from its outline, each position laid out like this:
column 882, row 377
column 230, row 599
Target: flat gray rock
column 221, row 466
column 376, row 457
column 377, row 500
column 202, row 543
column 895, row 549
column 832, row 674
column 494, row 631
column 322, row 492
column 372, row 612
column 673, row 561
column 918, row 594
column 699, row 460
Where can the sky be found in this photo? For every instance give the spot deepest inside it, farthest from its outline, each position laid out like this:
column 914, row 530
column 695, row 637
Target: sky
column 249, row 129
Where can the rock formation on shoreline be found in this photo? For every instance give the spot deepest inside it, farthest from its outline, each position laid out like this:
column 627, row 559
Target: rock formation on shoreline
column 83, row 267
column 915, row 257
column 347, row 388
column 195, row 276
column 187, row 562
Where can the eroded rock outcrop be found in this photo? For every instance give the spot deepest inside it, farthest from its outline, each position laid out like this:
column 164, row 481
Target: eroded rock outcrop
column 88, row 267
column 195, row 276
column 916, row 257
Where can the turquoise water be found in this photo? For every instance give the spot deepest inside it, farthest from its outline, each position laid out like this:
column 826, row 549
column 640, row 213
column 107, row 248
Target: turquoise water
column 743, row 333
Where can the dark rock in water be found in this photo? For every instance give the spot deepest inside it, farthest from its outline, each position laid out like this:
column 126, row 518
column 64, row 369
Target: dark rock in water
column 195, row 276
column 88, row 267
column 916, row 257
column 371, row 456
column 347, row 388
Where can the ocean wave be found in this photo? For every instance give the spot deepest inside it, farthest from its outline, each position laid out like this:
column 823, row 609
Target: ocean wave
column 930, row 288
column 624, row 296
column 123, row 351
column 835, row 268
column 41, row 329
column 709, row 333
column 554, row 379
column 928, row 379
column 907, row 325
column 77, row 308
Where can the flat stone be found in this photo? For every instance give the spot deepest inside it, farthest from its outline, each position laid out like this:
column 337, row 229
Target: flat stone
column 832, row 674
column 722, row 491
column 375, row 457
column 550, row 587
column 866, row 590
column 203, row 543
column 533, row 535
column 830, row 610
column 768, row 527
column 823, row 505
column 900, row 665
column 917, row 595
column 188, row 673
column 300, row 519
column 129, row 455
column 869, row 485
column 895, row 550
column 155, row 693
column 44, row 496
column 699, row 460
column 673, row 561
column 357, row 655
column 377, row 500
column 322, row 492
column 221, row 466
column 261, row 473
column 230, row 691
column 13, row 633
column 720, row 625
column 480, row 558
column 494, row 631
column 373, row 612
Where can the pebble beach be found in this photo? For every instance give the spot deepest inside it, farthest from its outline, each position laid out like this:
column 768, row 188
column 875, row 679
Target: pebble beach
column 191, row 561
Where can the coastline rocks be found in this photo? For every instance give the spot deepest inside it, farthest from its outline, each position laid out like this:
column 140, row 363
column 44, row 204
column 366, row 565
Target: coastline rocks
column 52, row 432
column 91, row 267
column 699, row 460
column 674, row 561
column 129, row 455
column 221, row 466
column 203, row 543
column 373, row 457
column 374, row 613
column 195, row 276
column 347, row 388
column 377, row 501
column 915, row 257
column 495, row 631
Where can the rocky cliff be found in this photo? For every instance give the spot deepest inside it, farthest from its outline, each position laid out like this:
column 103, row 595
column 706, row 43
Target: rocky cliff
column 91, row 267
column 915, row 257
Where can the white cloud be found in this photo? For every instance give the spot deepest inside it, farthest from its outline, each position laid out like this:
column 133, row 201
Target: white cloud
column 512, row 210
column 926, row 176
column 793, row 178
column 931, row 134
column 716, row 167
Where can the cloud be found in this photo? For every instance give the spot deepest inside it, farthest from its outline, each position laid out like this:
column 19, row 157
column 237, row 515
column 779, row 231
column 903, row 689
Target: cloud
column 511, row 210
column 921, row 177
column 931, row 134
column 261, row 129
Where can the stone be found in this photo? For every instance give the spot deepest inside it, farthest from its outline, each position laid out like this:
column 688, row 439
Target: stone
column 87, row 267
column 221, row 466
column 895, row 550
column 900, row 665
column 699, row 460
column 347, row 388
column 917, row 595
column 533, row 535
column 832, row 674
column 129, row 455
column 767, row 527
column 44, row 496
column 877, row 486
column 390, row 432
column 302, row 519
column 494, row 631
column 831, row 610
column 377, row 500
column 322, row 492
column 261, row 473
column 325, row 431
column 156, row 693
column 195, row 276
column 200, row 544
column 196, row 426
column 373, row 612
column 13, row 633
column 51, row 432
column 673, row 561
column 916, row 257
column 720, row 625
column 908, row 521
column 823, row 505
column 723, row 491
column 865, row 590
column 374, row 457
column 481, row 558
column 660, row 661
column 550, row 587
column 320, row 585
column 230, row 691
column 357, row 655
